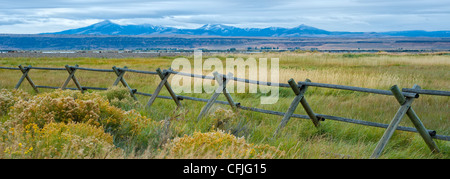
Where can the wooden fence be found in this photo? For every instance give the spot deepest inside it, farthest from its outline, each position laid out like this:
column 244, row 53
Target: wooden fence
column 405, row 97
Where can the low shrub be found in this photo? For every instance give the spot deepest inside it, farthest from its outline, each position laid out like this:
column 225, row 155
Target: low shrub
column 9, row 97
column 56, row 140
column 229, row 121
column 44, row 109
column 73, row 106
column 217, row 144
column 120, row 97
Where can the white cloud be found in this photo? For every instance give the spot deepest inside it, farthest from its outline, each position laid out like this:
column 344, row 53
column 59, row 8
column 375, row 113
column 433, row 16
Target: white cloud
column 29, row 16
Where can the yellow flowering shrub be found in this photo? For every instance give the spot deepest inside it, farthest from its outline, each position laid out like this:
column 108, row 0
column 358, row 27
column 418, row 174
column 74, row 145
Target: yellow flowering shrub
column 9, row 97
column 222, row 117
column 217, row 144
column 120, row 97
column 74, row 106
column 42, row 110
column 229, row 121
column 71, row 124
column 56, row 140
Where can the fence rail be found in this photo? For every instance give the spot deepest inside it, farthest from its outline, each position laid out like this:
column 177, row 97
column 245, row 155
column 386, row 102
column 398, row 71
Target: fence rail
column 429, row 92
column 405, row 98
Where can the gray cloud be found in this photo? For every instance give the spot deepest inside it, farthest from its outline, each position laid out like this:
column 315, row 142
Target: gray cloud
column 30, row 16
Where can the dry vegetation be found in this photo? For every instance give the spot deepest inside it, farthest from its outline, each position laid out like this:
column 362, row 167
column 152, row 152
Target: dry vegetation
column 64, row 124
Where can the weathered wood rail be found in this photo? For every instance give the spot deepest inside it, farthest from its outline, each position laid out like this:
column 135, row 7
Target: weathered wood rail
column 405, row 97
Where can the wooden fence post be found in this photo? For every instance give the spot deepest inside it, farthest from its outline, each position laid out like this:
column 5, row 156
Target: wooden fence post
column 299, row 95
column 221, row 79
column 164, row 77
column 120, row 74
column 419, row 125
column 315, row 119
column 405, row 108
column 169, row 88
column 71, row 77
column 222, row 87
column 299, row 98
column 25, row 75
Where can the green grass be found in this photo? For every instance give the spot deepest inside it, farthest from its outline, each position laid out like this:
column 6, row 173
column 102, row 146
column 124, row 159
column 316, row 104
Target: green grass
column 299, row 139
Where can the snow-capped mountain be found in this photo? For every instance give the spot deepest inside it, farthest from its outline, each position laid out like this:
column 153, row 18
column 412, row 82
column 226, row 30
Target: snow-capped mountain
column 109, row 28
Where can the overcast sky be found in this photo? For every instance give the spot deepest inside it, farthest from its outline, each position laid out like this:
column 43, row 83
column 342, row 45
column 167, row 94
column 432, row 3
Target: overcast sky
column 38, row 16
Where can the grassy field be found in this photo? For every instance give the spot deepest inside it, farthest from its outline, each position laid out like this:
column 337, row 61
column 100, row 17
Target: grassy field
column 299, row 139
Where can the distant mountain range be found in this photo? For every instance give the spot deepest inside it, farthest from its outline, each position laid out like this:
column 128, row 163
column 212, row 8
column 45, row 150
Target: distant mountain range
column 107, row 35
column 109, row 28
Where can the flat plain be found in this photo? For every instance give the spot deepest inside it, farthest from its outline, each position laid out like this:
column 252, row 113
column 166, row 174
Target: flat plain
column 299, row 139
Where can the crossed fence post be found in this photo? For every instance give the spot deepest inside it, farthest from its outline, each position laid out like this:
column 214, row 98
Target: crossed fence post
column 405, row 108
column 25, row 75
column 222, row 81
column 164, row 75
column 299, row 91
column 72, row 71
column 120, row 73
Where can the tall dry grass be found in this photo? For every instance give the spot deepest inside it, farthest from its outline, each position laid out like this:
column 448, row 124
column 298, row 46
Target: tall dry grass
column 299, row 139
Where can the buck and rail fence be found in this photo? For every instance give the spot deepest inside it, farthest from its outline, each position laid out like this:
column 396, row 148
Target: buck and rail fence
column 405, row 97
